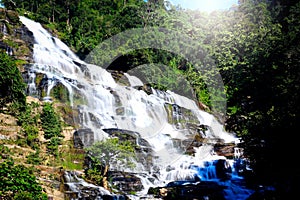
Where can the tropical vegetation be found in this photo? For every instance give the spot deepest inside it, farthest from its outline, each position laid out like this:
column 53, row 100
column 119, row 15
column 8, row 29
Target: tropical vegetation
column 254, row 46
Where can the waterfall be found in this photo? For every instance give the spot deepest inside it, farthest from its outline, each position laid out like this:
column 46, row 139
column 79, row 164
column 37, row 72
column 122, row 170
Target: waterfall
column 103, row 103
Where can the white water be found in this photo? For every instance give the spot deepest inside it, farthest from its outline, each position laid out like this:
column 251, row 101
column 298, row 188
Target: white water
column 74, row 183
column 103, row 104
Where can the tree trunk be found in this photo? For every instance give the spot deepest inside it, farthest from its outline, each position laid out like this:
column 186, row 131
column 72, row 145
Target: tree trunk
column 104, row 180
column 53, row 15
column 68, row 13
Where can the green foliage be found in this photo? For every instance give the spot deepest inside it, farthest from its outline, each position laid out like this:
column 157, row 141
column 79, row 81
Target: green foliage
column 50, row 122
column 95, row 174
column 31, row 133
column 18, row 181
column 255, row 47
column 129, row 17
column 52, row 145
column 72, row 160
column 106, row 153
column 257, row 56
column 60, row 93
column 112, row 151
column 12, row 87
column 52, row 127
column 4, row 152
column 34, row 158
column 29, row 116
column 28, row 119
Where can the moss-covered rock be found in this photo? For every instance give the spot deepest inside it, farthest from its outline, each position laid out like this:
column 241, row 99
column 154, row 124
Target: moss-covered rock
column 2, row 13
column 13, row 17
column 15, row 38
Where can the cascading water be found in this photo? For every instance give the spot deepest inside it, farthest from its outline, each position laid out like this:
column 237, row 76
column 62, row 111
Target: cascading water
column 103, row 103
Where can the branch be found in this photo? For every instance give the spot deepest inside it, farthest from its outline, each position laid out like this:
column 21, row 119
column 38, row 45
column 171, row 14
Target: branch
column 14, row 3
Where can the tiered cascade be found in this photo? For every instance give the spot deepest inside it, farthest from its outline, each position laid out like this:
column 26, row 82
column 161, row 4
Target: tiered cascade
column 166, row 121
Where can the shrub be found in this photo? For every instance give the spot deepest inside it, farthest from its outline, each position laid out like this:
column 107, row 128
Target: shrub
column 50, row 122
column 12, row 86
column 18, row 181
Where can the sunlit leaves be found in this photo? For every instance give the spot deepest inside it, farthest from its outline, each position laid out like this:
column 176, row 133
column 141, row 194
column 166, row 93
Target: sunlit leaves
column 18, row 181
column 113, row 151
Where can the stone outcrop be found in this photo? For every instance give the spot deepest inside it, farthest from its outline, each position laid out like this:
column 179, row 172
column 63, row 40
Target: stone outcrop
column 143, row 150
column 189, row 190
column 8, row 127
column 75, row 187
column 125, row 181
column 15, row 39
column 83, row 138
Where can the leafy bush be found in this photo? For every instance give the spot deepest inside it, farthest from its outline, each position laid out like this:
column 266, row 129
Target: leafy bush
column 12, row 86
column 28, row 120
column 113, row 151
column 103, row 154
column 18, row 181
column 34, row 158
column 52, row 145
column 50, row 122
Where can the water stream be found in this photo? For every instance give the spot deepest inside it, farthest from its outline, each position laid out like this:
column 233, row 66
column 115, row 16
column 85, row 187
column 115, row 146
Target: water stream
column 103, row 103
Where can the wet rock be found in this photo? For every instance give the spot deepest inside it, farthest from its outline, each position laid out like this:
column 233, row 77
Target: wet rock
column 77, row 188
column 13, row 17
column 142, row 147
column 83, row 138
column 119, row 77
column 15, row 38
column 223, row 169
column 189, row 190
column 125, row 181
column 226, row 150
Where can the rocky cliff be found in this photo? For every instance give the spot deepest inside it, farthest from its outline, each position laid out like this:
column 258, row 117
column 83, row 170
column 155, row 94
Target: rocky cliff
column 17, row 41
column 15, row 38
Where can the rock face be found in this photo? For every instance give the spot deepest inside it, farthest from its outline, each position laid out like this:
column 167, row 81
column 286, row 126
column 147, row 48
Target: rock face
column 76, row 188
column 187, row 190
column 8, row 127
column 83, row 138
column 143, row 149
column 15, row 39
column 125, row 182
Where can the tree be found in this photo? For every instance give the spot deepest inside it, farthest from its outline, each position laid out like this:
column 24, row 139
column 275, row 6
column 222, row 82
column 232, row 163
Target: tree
column 50, row 122
column 17, row 181
column 258, row 56
column 106, row 153
column 52, row 128
column 12, row 87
